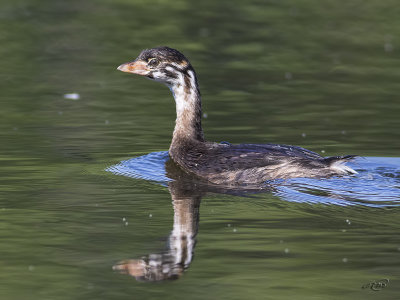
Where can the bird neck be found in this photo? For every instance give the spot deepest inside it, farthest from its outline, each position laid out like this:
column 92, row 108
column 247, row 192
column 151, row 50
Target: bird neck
column 188, row 109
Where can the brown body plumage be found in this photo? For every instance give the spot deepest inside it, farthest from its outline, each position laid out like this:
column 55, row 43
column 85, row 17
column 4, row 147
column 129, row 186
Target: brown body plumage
column 223, row 163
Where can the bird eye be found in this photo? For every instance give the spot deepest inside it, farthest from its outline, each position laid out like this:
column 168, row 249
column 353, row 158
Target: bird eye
column 152, row 62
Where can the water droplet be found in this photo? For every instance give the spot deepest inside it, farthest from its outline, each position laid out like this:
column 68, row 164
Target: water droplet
column 336, row 61
column 150, row 215
column 126, row 223
column 348, row 221
column 31, row 268
column 345, row 260
column 287, row 250
column 123, row 219
column 72, row 96
column 322, row 151
column 90, row 286
column 229, row 225
column 106, row 122
column 204, row 32
column 288, row 76
column 344, row 230
column 388, row 47
column 205, row 115
column 303, row 135
column 234, row 230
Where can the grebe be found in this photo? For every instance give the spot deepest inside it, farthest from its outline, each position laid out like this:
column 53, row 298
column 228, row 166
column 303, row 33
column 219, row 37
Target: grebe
column 223, row 163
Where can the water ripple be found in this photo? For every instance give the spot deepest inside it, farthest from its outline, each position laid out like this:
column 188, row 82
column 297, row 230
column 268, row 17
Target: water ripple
column 377, row 183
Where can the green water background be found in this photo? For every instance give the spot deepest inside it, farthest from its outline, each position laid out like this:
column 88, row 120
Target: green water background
column 320, row 74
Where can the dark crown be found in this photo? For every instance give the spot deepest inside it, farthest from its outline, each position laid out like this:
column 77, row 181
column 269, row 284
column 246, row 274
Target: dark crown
column 163, row 54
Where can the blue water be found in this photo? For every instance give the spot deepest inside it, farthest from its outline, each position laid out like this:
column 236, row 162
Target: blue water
column 377, row 183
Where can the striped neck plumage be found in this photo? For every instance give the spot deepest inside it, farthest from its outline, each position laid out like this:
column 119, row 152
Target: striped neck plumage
column 185, row 90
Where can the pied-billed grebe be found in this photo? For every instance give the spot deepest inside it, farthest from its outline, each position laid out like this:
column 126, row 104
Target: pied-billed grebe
column 223, row 163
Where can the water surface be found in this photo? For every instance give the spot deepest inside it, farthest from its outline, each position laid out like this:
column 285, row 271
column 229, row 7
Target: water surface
column 319, row 75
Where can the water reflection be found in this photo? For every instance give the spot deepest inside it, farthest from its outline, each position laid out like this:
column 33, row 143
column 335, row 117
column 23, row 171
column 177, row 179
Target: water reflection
column 376, row 185
column 186, row 194
column 171, row 263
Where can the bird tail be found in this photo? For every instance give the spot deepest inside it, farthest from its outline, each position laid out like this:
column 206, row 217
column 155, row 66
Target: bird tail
column 338, row 163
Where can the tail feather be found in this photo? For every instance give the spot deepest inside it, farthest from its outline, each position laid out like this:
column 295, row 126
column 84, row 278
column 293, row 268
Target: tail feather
column 338, row 163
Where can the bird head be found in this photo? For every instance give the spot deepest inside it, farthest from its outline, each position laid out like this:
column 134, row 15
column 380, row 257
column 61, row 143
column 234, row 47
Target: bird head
column 161, row 64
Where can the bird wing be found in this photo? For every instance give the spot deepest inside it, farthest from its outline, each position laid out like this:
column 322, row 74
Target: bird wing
column 223, row 157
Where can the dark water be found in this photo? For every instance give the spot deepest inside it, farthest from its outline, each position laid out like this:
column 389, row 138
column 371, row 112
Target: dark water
column 324, row 76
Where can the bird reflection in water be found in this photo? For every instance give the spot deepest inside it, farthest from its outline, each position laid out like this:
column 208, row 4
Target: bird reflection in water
column 186, row 194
